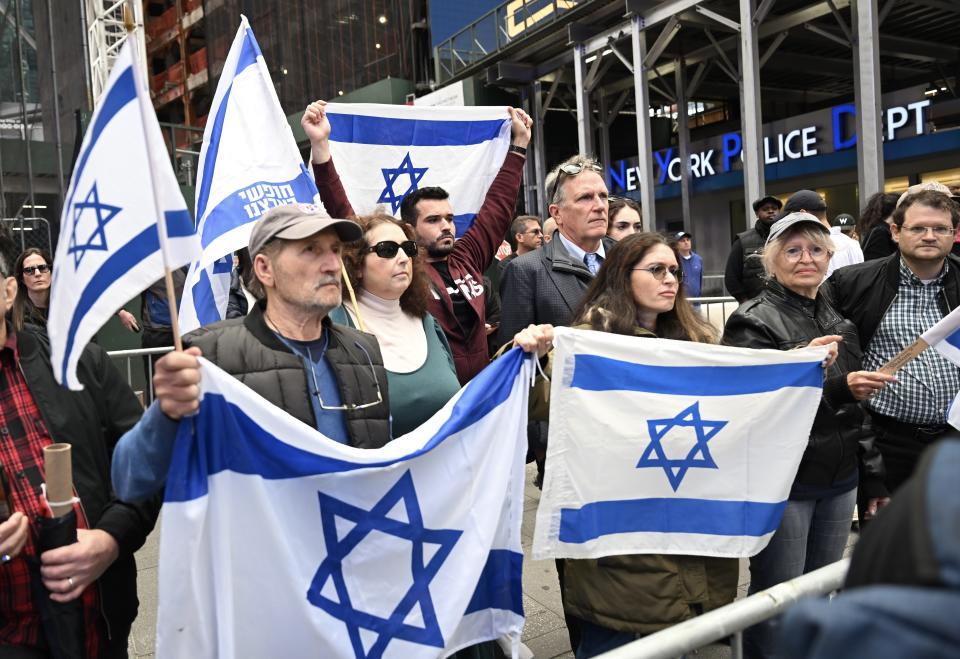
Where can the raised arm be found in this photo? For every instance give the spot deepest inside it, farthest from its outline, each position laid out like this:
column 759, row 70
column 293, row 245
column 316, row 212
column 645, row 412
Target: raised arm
column 317, row 127
column 477, row 247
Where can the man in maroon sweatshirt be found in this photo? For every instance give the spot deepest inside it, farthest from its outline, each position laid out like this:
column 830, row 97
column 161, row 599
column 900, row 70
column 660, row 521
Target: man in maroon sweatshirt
column 455, row 266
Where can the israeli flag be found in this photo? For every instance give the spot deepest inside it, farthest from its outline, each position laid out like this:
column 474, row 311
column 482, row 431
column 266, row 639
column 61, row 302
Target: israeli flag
column 123, row 220
column 249, row 163
column 944, row 337
column 675, row 447
column 385, row 152
column 279, row 542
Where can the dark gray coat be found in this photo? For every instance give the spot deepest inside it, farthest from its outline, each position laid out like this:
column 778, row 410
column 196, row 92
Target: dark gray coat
column 248, row 350
column 543, row 286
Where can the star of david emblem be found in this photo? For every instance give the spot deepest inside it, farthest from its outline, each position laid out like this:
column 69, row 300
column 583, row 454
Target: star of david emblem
column 382, row 630
column 97, row 240
column 698, row 455
column 390, row 176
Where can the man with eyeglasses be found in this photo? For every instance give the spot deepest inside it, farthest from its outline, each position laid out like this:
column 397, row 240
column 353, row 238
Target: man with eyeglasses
column 892, row 301
column 329, row 376
column 528, row 237
column 546, row 286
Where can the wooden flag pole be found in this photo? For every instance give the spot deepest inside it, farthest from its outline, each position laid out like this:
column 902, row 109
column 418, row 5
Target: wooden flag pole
column 906, row 355
column 161, row 223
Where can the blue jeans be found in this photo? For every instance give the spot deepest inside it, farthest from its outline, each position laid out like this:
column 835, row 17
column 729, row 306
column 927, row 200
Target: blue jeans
column 812, row 533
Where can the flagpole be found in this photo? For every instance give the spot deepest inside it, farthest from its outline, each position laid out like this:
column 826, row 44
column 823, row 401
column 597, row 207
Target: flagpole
column 161, row 219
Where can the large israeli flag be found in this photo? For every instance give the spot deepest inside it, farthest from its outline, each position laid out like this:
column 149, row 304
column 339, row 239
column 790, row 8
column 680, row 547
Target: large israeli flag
column 671, row 447
column 384, row 152
column 279, row 542
column 249, row 163
column 123, row 218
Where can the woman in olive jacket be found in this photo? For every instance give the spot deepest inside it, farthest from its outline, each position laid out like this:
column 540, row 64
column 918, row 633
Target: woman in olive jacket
column 617, row 599
column 791, row 313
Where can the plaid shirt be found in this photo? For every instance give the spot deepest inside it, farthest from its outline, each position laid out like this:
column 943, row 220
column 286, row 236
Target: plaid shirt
column 927, row 385
column 22, row 438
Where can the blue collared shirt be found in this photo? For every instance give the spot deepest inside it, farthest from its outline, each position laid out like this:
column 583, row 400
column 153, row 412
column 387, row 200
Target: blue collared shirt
column 577, row 252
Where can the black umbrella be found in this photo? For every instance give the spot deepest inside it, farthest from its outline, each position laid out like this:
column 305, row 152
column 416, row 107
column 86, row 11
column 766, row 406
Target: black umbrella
column 63, row 624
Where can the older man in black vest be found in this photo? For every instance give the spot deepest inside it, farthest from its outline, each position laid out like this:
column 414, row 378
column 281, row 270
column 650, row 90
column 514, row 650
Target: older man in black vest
column 329, row 376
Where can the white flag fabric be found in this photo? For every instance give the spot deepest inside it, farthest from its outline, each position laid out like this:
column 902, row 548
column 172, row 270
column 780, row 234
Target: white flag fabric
column 280, row 542
column 123, row 218
column 384, row 152
column 249, row 163
column 671, row 447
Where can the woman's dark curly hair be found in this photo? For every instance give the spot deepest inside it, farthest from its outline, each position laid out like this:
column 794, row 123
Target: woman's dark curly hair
column 608, row 305
column 415, row 299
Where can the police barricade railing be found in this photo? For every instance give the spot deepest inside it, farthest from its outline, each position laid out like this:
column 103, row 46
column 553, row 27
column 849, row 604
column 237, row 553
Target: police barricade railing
column 715, row 309
column 729, row 621
column 146, row 366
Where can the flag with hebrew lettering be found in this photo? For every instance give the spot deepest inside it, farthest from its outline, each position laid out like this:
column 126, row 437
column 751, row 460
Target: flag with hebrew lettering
column 249, row 163
column 671, row 447
column 280, row 542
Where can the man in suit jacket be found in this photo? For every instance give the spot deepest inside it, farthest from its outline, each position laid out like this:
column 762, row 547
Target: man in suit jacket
column 547, row 285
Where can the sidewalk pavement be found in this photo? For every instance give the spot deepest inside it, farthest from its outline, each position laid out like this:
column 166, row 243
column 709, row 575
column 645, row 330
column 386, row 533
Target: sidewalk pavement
column 545, row 632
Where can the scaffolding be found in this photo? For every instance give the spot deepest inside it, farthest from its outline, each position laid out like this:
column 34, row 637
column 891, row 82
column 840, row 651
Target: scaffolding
column 105, row 35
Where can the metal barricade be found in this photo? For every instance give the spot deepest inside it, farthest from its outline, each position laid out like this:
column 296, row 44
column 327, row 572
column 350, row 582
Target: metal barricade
column 715, row 309
column 732, row 619
column 143, row 369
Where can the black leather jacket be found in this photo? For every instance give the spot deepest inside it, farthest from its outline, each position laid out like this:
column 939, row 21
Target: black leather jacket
column 841, row 438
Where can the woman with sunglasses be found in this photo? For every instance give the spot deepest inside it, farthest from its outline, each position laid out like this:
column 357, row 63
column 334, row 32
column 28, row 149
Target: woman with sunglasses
column 392, row 292
column 617, row 599
column 791, row 313
column 34, row 272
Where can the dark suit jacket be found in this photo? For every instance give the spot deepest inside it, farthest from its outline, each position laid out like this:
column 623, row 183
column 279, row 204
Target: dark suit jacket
column 543, row 286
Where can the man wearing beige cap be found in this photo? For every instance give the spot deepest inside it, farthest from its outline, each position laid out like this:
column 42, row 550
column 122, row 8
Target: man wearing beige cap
column 892, row 301
column 286, row 349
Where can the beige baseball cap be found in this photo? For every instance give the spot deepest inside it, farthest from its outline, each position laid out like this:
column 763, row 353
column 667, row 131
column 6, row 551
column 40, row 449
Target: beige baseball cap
column 934, row 186
column 296, row 221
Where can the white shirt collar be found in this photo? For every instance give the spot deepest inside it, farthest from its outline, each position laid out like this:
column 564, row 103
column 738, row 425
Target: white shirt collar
column 577, row 252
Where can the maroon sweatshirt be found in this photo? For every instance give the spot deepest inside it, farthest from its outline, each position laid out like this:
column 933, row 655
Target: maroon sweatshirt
column 472, row 254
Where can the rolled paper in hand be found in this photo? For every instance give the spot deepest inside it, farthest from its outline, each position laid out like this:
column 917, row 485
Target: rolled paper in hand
column 59, row 470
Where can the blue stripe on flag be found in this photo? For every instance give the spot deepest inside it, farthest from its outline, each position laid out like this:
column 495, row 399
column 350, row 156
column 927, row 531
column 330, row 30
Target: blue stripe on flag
column 204, row 300
column 248, row 57
column 593, row 373
column 123, row 91
column 208, row 442
column 121, row 261
column 360, row 129
column 463, row 223
column 954, row 339
column 730, row 518
column 232, row 212
column 501, row 583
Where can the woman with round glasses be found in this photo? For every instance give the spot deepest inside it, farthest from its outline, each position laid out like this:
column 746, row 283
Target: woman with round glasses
column 392, row 292
column 624, row 217
column 616, row 599
column 792, row 313
column 33, row 270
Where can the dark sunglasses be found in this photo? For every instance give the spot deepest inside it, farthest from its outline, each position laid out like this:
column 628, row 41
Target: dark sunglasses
column 387, row 249
column 42, row 269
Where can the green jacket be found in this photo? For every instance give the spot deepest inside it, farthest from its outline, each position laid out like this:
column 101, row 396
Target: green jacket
column 641, row 593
